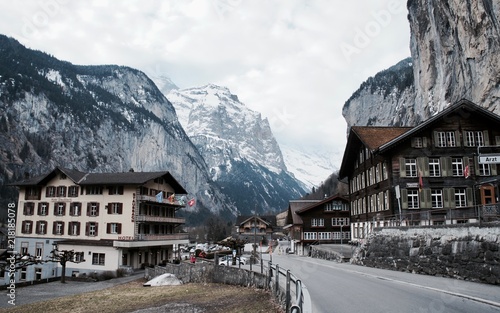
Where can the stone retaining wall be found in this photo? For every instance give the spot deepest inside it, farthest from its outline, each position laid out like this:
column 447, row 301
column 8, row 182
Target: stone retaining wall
column 209, row 273
column 463, row 252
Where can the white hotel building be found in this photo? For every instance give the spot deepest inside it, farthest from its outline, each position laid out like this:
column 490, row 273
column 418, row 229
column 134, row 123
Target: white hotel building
column 115, row 219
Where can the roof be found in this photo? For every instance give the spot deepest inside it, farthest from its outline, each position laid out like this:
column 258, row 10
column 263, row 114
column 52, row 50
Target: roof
column 268, row 219
column 464, row 108
column 320, row 203
column 371, row 137
column 296, row 205
column 124, row 178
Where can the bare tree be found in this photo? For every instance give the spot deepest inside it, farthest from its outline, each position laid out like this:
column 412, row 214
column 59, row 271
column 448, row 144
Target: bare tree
column 64, row 256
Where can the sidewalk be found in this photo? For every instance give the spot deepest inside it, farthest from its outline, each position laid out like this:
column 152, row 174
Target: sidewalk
column 47, row 291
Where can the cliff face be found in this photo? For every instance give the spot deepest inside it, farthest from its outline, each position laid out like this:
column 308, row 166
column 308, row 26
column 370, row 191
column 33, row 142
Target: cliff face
column 92, row 118
column 455, row 48
column 454, row 55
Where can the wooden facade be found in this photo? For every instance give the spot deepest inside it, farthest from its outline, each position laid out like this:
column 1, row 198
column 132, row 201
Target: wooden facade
column 424, row 175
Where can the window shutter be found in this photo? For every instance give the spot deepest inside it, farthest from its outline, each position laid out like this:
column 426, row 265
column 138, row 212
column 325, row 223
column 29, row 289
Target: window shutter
column 402, row 167
column 423, row 166
column 87, row 228
column 54, row 226
column 404, row 199
column 64, row 209
column 120, row 190
column 424, row 142
column 458, row 140
column 425, row 198
column 493, row 168
column 108, row 228
column 449, row 197
column 23, row 227
column 109, row 208
column 97, row 209
column 436, row 139
column 96, row 224
column 476, row 166
column 119, row 228
column 486, row 138
column 120, row 208
column 470, row 197
column 110, row 189
column 55, row 208
column 446, row 166
column 62, row 228
column 88, row 209
column 78, row 228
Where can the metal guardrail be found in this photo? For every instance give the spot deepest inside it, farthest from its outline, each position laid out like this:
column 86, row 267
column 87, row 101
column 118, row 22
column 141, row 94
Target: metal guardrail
column 294, row 300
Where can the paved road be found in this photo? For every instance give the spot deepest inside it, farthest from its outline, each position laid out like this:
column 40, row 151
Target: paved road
column 47, row 291
column 342, row 287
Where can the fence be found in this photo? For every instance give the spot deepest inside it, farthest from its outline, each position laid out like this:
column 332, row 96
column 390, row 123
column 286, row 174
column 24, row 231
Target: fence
column 291, row 294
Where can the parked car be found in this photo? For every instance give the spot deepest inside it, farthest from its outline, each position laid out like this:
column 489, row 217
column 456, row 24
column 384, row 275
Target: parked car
column 225, row 260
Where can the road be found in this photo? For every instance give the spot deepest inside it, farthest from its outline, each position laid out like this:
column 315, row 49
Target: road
column 346, row 288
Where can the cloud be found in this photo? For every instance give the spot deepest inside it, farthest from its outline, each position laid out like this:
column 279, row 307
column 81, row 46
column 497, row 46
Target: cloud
column 294, row 61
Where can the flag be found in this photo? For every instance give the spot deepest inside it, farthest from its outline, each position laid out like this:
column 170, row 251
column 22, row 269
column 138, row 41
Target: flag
column 466, row 171
column 191, row 202
column 171, row 198
column 159, row 197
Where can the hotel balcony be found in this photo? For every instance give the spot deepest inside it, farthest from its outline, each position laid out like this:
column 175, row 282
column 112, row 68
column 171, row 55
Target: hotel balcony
column 165, row 237
column 147, row 198
column 160, row 219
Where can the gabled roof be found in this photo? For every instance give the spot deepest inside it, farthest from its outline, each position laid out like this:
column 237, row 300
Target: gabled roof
column 296, row 205
column 464, row 108
column 320, row 203
column 125, row 178
column 371, row 137
column 269, row 220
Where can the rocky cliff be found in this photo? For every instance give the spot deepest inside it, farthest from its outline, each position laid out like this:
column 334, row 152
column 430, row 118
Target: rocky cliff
column 454, row 55
column 92, row 118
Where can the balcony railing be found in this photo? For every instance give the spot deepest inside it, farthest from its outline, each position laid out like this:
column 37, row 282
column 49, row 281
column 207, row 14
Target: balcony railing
column 160, row 219
column 179, row 236
column 164, row 201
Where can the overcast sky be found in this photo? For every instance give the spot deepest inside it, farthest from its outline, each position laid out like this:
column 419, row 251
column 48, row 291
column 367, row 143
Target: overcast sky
column 295, row 61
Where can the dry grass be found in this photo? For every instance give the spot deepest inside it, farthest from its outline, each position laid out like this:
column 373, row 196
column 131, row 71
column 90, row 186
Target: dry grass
column 133, row 296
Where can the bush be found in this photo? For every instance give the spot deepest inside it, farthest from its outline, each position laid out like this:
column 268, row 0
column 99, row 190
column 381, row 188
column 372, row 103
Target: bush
column 121, row 272
column 107, row 275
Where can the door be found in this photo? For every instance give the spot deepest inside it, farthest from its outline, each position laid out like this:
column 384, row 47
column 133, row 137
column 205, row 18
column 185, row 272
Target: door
column 487, row 194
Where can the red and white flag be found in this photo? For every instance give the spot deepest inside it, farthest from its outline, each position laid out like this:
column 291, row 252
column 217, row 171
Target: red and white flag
column 466, row 171
column 191, row 202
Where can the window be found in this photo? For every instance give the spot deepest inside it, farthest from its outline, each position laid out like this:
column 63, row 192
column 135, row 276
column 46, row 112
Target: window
column 324, row 236
column 50, row 191
column 337, row 221
column 59, row 208
column 43, row 208
column 29, row 208
column 24, row 248
column 27, row 227
column 61, row 191
column 114, row 228
column 91, row 229
column 39, row 250
column 460, row 198
column 484, row 169
column 38, row 273
column 115, row 208
column 336, row 206
column 412, row 199
column 93, row 209
column 73, row 191
column 457, row 166
column 115, row 190
column 78, row 257
column 445, row 139
column 411, row 167
column 58, row 228
column 74, row 228
column 32, row 193
column 417, row 142
column 434, row 167
column 437, row 198
column 94, row 190
column 310, row 236
column 75, row 209
column 41, row 227
column 474, row 138
column 98, row 258
column 23, row 273
column 317, row 222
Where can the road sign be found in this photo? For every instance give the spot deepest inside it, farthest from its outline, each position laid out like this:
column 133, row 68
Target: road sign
column 489, row 159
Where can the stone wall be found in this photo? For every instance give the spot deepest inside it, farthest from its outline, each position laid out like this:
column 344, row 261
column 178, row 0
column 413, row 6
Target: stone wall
column 463, row 252
column 210, row 273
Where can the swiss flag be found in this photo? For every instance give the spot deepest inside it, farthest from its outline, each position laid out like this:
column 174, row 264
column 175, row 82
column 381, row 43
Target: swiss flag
column 466, row 171
column 191, row 202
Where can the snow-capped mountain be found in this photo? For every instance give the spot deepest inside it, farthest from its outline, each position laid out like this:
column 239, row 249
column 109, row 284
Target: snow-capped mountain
column 238, row 146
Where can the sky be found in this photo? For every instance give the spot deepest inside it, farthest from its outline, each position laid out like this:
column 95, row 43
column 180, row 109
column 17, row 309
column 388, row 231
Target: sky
column 295, row 61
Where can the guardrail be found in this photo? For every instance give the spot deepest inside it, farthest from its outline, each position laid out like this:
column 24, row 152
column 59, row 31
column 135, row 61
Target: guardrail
column 294, row 300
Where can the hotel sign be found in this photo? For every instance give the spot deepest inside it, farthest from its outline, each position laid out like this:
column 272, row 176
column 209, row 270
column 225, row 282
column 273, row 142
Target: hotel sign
column 489, row 159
